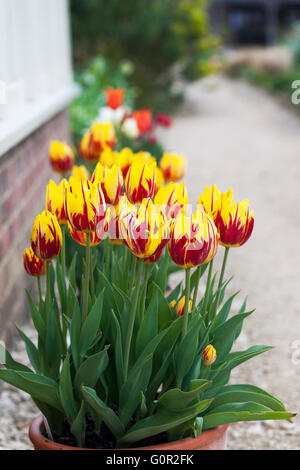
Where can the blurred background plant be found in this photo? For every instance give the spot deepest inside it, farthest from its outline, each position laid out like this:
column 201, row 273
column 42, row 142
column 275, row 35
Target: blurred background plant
column 162, row 41
column 93, row 80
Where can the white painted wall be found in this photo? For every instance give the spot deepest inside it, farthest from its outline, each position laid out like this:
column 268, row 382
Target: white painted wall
column 35, row 62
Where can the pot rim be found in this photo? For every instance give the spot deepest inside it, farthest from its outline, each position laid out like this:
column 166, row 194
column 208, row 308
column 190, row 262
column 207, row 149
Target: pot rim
column 37, row 428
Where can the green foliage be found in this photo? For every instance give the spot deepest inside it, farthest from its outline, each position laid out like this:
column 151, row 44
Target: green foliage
column 79, row 365
column 155, row 36
column 93, row 80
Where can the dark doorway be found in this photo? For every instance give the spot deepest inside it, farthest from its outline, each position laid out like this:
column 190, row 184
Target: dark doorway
column 247, row 25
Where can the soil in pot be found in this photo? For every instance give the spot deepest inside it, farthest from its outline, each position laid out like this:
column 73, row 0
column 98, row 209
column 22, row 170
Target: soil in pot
column 102, row 440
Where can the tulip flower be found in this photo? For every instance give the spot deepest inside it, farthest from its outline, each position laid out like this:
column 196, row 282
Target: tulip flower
column 114, row 97
column 111, row 181
column 162, row 227
column 108, row 157
column 173, row 198
column 32, row 264
column 173, row 166
column 146, row 157
column 143, row 119
column 55, row 200
column 81, row 173
column 124, row 159
column 123, row 206
column 81, row 237
column 96, row 140
column 209, row 355
column 235, row 221
column 179, row 307
column 85, row 205
column 163, row 120
column 159, row 179
column 61, row 157
column 46, row 236
column 144, row 230
column 210, row 199
column 140, row 181
column 194, row 240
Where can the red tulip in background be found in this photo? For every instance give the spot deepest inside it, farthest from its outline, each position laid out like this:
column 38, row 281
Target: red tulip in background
column 114, row 97
column 163, row 119
column 143, row 119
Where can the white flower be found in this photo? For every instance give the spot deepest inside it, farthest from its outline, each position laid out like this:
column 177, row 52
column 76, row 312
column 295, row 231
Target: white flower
column 115, row 116
column 130, row 128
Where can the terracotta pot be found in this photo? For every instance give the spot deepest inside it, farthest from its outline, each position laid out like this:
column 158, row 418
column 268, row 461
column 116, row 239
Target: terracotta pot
column 213, row 439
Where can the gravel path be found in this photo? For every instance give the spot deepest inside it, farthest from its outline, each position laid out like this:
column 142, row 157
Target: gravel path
column 236, row 135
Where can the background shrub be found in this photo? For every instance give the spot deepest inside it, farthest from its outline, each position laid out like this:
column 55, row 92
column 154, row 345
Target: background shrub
column 162, row 39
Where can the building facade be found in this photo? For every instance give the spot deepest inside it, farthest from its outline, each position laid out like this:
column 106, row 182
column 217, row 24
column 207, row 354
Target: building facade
column 253, row 21
column 36, row 86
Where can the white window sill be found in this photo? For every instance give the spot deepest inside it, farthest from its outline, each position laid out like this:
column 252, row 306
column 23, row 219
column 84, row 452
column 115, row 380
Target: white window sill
column 33, row 115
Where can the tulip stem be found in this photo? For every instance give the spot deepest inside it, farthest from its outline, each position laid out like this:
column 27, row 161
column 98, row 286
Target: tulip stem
column 133, row 270
column 92, row 282
column 107, row 259
column 167, row 262
column 207, row 287
column 63, row 251
column 48, row 291
column 198, row 275
column 39, row 288
column 87, row 277
column 132, row 318
column 144, row 292
column 221, row 278
column 187, row 300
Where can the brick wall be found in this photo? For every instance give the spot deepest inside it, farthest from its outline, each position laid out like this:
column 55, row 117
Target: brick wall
column 24, row 173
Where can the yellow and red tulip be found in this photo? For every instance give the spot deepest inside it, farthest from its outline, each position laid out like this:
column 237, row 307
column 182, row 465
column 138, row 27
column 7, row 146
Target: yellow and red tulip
column 211, row 200
column 85, row 206
column 81, row 173
column 108, row 157
column 144, row 230
column 46, row 236
column 123, row 207
column 179, row 307
column 159, row 179
column 173, row 166
column 209, row 355
column 61, row 157
column 81, row 237
column 100, row 136
column 55, row 200
column 194, row 239
column 124, row 159
column 114, row 97
column 140, row 181
column 143, row 118
column 111, row 181
column 32, row 264
column 173, row 198
column 235, row 221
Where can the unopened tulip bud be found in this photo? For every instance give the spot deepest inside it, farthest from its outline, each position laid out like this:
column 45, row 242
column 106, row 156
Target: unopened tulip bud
column 209, row 355
column 32, row 264
column 46, row 236
column 61, row 157
column 180, row 307
column 173, row 166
